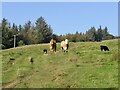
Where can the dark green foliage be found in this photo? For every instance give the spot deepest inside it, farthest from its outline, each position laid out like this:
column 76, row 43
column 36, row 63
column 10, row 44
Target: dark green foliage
column 20, row 43
column 44, row 31
column 7, row 33
column 41, row 32
column 28, row 33
column 91, row 35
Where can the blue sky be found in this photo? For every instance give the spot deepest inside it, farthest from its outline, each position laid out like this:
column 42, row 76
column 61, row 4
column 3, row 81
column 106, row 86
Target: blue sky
column 65, row 17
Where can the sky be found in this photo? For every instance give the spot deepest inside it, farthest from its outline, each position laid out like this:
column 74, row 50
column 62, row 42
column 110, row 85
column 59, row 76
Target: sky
column 60, row 0
column 65, row 17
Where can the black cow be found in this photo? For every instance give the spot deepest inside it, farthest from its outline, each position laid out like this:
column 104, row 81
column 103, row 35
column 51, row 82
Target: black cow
column 11, row 60
column 45, row 51
column 31, row 60
column 105, row 48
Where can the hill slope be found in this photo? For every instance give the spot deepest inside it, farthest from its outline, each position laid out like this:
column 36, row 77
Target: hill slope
column 84, row 66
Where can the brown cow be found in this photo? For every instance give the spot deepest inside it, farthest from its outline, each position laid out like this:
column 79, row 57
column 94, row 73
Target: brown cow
column 52, row 46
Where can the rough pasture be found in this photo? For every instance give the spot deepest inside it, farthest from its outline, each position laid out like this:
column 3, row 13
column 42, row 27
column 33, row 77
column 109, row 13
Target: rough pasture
column 84, row 66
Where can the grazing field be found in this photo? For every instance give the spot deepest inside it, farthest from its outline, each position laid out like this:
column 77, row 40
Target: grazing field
column 83, row 66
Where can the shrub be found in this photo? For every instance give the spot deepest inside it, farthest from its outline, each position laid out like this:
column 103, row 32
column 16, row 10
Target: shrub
column 2, row 46
column 21, row 43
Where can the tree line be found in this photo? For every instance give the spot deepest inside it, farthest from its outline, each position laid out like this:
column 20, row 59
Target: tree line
column 41, row 32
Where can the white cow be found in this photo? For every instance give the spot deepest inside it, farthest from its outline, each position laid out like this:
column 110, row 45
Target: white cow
column 64, row 45
column 67, row 43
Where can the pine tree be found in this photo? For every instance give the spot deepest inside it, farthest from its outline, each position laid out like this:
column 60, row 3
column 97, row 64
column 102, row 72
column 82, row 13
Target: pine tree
column 105, row 33
column 27, row 33
column 43, row 31
column 99, row 34
column 20, row 28
column 4, row 33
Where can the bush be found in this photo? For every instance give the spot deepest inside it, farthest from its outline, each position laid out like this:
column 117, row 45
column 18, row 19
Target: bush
column 21, row 43
column 2, row 46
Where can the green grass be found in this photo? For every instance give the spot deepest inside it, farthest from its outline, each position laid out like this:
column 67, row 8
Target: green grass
column 84, row 66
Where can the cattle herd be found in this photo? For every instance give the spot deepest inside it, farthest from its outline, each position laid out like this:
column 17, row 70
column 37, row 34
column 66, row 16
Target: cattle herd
column 65, row 45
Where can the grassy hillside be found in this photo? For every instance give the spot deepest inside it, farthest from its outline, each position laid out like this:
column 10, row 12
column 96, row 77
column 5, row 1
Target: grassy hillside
column 84, row 66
